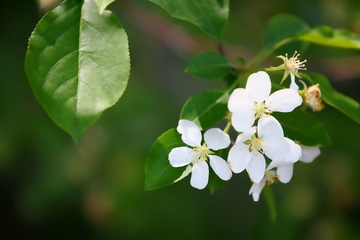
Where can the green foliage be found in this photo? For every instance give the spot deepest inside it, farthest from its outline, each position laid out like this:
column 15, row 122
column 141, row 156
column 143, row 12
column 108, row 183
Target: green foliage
column 209, row 15
column 102, row 4
column 303, row 128
column 327, row 36
column 206, row 109
column 158, row 170
column 281, row 28
column 209, row 65
column 77, row 64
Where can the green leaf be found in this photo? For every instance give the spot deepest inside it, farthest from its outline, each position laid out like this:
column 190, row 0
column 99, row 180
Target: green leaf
column 282, row 27
column 102, row 4
column 209, row 65
column 206, row 108
column 209, row 15
column 77, row 64
column 345, row 104
column 158, row 171
column 327, row 36
column 303, row 127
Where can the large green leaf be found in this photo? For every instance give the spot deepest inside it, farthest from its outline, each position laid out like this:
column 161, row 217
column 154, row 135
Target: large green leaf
column 206, row 108
column 102, row 4
column 345, row 104
column 158, row 171
column 209, row 15
column 327, row 36
column 300, row 126
column 77, row 64
column 281, row 28
column 209, row 65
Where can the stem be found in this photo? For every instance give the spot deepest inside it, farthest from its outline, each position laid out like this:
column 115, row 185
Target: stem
column 221, row 49
column 227, row 128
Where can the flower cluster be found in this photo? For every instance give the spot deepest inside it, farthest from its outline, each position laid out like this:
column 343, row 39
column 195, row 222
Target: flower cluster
column 261, row 147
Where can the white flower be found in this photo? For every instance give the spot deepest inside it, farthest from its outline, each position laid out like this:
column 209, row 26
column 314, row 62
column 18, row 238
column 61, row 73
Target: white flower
column 249, row 149
column 291, row 66
column 308, row 154
column 254, row 101
column 269, row 178
column 198, row 154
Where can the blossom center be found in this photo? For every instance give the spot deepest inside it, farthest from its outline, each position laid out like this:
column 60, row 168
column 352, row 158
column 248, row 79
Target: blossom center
column 202, row 153
column 294, row 64
column 271, row 177
column 256, row 145
column 260, row 109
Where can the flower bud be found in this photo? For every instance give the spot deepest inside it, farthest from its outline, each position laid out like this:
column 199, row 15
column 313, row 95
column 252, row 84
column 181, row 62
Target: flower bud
column 313, row 98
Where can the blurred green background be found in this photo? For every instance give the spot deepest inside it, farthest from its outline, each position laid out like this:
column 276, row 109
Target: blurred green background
column 51, row 188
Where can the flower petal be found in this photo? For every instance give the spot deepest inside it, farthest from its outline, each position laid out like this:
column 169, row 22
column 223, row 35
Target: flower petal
column 256, row 167
column 239, row 157
column 220, row 167
column 216, row 139
column 285, row 172
column 256, row 189
column 284, row 100
column 258, row 86
column 275, row 147
column 191, row 134
column 294, row 151
column 181, row 156
column 237, row 98
column 268, row 125
column 293, row 84
column 243, row 118
column 246, row 135
column 200, row 175
column 308, row 154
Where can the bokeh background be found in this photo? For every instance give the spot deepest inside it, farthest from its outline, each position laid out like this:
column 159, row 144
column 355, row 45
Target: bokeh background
column 52, row 188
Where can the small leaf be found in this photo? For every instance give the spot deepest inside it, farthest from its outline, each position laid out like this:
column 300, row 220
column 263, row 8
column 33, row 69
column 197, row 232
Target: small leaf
column 209, row 15
column 327, row 36
column 282, row 27
column 302, row 127
column 345, row 104
column 102, row 4
column 77, row 64
column 206, row 108
column 158, row 171
column 209, row 65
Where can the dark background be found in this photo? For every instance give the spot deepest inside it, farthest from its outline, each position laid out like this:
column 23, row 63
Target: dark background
column 51, row 188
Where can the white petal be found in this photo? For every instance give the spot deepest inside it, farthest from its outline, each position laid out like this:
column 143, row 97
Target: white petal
column 256, row 189
column 284, row 100
column 285, row 172
column 239, row 157
column 220, row 167
column 293, row 84
column 308, row 154
column 256, row 168
column 268, row 125
column 243, row 118
column 216, row 139
column 237, row 98
column 258, row 86
column 275, row 147
column 191, row 134
column 294, row 151
column 181, row 156
column 200, row 175
column 246, row 135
